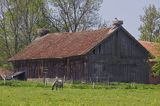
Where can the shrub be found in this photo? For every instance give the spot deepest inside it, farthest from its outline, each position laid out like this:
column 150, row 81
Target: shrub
column 156, row 68
column 15, row 83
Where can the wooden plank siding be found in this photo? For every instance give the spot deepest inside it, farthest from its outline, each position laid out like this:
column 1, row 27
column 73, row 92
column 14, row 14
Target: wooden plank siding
column 70, row 68
column 118, row 59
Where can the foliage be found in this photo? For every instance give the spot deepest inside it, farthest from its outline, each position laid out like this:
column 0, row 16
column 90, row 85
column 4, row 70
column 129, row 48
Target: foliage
column 156, row 68
column 3, row 61
column 15, row 83
column 74, row 15
column 32, row 96
column 150, row 28
column 18, row 23
column 113, row 85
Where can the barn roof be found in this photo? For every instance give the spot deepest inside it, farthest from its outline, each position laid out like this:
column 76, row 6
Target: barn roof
column 61, row 45
column 152, row 47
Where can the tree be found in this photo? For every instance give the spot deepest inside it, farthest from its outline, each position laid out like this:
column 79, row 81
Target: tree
column 150, row 28
column 19, row 22
column 74, row 15
column 156, row 68
column 103, row 24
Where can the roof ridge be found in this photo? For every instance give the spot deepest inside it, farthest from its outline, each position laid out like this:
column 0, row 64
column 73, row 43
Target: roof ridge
column 94, row 30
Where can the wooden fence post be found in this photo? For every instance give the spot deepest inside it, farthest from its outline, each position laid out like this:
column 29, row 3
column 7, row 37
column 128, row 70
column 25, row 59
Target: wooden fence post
column 44, row 78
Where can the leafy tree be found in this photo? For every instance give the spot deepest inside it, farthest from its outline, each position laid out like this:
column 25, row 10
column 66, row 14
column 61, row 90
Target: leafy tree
column 74, row 15
column 150, row 28
column 19, row 22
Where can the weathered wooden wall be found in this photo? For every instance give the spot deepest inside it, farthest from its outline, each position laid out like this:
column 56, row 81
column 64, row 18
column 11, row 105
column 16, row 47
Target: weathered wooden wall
column 119, row 59
column 71, row 68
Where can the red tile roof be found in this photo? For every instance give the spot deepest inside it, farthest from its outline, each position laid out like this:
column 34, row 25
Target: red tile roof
column 61, row 45
column 153, row 48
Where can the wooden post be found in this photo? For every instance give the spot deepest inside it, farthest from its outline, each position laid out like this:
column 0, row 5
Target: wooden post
column 44, row 77
column 4, row 79
column 64, row 78
column 93, row 86
column 68, row 69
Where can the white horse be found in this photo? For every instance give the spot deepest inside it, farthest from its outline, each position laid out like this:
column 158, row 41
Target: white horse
column 58, row 83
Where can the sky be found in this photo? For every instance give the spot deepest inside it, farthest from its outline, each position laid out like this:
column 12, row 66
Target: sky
column 127, row 10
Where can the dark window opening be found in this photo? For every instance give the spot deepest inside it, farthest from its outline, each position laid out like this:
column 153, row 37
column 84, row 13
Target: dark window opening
column 65, row 60
column 94, row 52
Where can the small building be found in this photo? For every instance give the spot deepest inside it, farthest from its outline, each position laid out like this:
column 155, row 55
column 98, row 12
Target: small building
column 20, row 75
column 154, row 49
column 10, row 75
column 108, row 54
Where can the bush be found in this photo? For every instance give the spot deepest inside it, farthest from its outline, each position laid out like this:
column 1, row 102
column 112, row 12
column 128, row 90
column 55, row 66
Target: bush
column 15, row 83
column 156, row 68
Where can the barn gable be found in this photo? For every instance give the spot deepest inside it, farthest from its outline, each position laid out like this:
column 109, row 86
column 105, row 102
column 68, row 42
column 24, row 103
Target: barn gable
column 124, row 41
column 119, row 55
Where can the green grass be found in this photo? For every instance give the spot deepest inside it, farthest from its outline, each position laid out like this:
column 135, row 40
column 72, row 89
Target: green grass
column 16, row 93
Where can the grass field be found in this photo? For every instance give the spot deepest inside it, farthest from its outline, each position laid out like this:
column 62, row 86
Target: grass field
column 34, row 94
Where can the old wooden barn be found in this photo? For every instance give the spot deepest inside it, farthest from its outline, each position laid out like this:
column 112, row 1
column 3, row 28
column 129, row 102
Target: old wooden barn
column 109, row 54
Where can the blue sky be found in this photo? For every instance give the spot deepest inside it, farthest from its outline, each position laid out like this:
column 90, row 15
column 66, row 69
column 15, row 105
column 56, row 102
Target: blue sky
column 128, row 11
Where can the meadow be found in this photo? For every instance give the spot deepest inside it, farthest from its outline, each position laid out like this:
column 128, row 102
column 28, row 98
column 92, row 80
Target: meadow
column 19, row 93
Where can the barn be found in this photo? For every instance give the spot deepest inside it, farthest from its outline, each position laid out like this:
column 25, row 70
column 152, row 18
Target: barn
column 154, row 49
column 108, row 54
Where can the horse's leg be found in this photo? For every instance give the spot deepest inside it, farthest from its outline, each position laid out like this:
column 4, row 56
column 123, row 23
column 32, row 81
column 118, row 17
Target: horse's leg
column 62, row 84
column 56, row 87
column 53, row 87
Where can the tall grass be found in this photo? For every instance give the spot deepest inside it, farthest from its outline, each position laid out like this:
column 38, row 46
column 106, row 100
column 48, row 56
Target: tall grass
column 27, row 93
column 113, row 85
column 15, row 83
